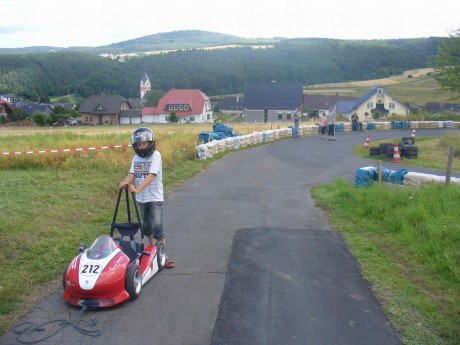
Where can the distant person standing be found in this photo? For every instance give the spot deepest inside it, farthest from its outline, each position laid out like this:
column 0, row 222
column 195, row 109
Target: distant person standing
column 296, row 119
column 323, row 126
column 331, row 125
column 354, row 121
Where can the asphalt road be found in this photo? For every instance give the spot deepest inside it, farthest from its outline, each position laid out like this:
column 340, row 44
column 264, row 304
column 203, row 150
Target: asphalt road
column 256, row 261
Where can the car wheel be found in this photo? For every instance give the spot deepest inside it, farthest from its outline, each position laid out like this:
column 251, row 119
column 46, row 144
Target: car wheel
column 133, row 283
column 161, row 256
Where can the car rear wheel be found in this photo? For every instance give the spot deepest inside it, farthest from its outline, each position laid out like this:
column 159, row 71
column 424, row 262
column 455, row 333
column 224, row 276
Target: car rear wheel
column 133, row 283
column 161, row 256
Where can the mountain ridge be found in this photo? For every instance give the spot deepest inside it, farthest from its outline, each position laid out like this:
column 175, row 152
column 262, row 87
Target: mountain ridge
column 175, row 40
column 181, row 39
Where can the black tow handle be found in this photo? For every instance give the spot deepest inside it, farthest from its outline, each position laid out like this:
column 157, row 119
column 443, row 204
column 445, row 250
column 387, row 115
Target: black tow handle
column 128, row 207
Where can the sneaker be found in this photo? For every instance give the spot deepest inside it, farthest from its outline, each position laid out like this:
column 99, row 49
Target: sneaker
column 333, row 139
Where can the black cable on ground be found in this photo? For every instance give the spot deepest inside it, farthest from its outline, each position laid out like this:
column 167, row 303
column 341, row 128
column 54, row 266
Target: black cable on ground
column 28, row 328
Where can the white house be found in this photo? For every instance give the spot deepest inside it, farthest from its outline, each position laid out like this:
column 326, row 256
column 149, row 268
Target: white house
column 190, row 105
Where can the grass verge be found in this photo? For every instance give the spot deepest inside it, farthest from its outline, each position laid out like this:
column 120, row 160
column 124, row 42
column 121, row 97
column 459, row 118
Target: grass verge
column 407, row 241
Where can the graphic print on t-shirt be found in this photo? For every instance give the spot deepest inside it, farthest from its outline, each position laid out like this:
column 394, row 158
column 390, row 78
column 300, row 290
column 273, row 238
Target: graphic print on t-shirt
column 141, row 169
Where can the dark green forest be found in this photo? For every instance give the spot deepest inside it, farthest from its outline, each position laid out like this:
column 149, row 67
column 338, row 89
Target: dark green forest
column 37, row 76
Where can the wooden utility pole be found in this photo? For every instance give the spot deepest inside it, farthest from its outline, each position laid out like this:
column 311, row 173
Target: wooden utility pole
column 450, row 156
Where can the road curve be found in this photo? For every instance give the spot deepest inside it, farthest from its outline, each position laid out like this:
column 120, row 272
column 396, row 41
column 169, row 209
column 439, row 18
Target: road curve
column 256, row 261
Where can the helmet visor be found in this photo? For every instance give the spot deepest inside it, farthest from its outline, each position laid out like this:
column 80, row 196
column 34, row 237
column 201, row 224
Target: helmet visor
column 142, row 136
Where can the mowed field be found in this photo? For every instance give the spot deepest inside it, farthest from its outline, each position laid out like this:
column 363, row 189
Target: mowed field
column 416, row 86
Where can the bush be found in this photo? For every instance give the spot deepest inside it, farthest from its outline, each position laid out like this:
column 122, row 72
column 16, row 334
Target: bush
column 40, row 119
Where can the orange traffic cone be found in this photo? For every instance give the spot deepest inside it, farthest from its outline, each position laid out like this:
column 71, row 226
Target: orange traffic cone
column 413, row 134
column 396, row 156
column 368, row 140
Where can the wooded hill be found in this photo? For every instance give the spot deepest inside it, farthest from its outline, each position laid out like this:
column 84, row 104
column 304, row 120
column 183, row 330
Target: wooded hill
column 38, row 76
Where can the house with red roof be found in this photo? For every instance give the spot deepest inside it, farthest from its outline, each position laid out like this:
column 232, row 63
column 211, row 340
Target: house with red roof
column 190, row 105
column 6, row 112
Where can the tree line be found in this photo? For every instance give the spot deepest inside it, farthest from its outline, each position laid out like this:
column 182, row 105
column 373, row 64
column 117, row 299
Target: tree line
column 37, row 77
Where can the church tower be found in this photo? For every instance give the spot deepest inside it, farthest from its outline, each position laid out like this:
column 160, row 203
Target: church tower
column 146, row 86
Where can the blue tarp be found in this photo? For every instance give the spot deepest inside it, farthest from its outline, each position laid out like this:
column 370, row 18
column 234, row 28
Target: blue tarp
column 224, row 128
column 393, row 176
column 370, row 125
column 365, row 176
column 221, row 131
column 400, row 124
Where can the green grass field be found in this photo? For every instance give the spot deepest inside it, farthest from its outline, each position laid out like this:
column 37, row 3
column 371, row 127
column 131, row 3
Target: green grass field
column 414, row 86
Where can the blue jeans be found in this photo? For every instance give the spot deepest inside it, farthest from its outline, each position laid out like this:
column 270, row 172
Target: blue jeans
column 152, row 219
column 295, row 131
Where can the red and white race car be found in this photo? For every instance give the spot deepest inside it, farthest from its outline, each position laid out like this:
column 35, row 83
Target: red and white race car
column 112, row 270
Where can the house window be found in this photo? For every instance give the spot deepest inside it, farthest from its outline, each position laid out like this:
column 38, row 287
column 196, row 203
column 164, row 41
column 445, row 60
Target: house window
column 171, row 107
column 175, row 107
column 99, row 107
column 167, row 118
column 280, row 116
column 209, row 117
column 370, row 105
column 185, row 107
column 288, row 116
column 180, row 107
column 391, row 106
column 192, row 118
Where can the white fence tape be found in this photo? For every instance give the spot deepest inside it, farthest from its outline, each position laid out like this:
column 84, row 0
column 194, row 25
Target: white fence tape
column 65, row 150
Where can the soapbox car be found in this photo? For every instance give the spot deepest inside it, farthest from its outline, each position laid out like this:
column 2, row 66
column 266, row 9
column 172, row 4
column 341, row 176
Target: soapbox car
column 113, row 270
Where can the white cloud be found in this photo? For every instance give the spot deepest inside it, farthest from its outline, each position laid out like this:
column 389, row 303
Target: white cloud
column 101, row 22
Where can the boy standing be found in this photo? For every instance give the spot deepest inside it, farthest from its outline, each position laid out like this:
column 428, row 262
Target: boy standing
column 147, row 173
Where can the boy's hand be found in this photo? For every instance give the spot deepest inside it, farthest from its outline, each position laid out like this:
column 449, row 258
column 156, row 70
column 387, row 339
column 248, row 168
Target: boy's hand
column 132, row 189
column 123, row 185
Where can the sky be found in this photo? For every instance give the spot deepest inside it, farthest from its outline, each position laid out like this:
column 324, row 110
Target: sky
column 66, row 23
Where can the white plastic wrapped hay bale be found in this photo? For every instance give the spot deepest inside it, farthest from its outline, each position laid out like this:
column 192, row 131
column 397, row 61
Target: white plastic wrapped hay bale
column 312, row 129
column 254, row 138
column 229, row 143
column 415, row 124
column 212, row 148
column 282, row 133
column 236, row 143
column 202, row 151
column 221, row 145
column 268, row 135
column 415, row 179
column 244, row 140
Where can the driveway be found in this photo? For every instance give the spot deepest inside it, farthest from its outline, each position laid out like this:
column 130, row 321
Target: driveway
column 256, row 261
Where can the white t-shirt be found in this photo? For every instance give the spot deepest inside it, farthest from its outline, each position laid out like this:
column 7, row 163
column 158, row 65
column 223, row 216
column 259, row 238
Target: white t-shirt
column 331, row 118
column 141, row 168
